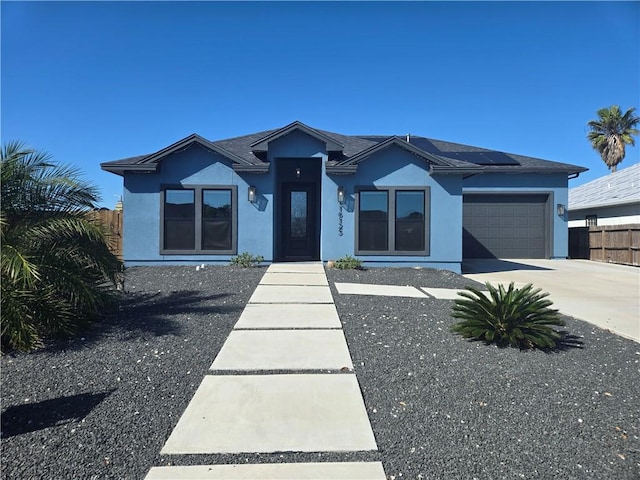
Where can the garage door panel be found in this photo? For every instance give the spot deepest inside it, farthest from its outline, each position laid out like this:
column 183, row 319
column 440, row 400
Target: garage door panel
column 494, row 221
column 504, row 226
column 523, row 221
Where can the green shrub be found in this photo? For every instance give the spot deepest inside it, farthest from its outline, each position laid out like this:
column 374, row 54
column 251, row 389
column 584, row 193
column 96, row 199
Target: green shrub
column 57, row 272
column 519, row 317
column 348, row 263
column 246, row 260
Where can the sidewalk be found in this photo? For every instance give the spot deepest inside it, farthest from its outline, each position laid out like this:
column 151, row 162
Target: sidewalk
column 265, row 395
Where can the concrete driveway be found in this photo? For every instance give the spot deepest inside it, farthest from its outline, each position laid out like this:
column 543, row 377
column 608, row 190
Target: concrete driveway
column 603, row 294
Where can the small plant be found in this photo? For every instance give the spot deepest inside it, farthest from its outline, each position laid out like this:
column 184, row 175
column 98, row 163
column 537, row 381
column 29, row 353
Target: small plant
column 247, row 260
column 519, row 317
column 348, row 263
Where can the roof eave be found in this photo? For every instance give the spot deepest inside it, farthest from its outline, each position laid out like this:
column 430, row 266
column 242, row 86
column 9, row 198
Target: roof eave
column 130, row 168
column 246, row 168
column 521, row 169
column 621, row 203
column 341, row 169
column 442, row 170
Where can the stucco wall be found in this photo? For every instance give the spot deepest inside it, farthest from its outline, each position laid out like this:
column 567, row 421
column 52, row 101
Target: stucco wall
column 554, row 184
column 396, row 167
column 195, row 165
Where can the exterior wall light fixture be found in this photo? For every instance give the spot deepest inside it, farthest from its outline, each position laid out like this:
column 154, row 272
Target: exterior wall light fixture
column 560, row 208
column 298, row 172
column 341, row 196
column 253, row 195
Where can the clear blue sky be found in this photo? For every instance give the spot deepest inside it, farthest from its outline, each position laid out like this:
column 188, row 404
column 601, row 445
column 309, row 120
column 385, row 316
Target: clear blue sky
column 99, row 81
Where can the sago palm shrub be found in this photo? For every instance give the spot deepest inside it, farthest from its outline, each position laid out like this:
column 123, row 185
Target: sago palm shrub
column 519, row 317
column 57, row 272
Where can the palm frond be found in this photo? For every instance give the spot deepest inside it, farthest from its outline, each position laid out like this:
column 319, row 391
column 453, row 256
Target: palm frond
column 56, row 266
column 520, row 317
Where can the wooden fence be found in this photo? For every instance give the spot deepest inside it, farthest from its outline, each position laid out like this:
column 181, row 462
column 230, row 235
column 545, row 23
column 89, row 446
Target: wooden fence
column 607, row 243
column 112, row 220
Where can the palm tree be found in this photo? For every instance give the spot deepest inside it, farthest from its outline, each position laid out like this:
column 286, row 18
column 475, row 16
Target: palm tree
column 57, row 272
column 611, row 133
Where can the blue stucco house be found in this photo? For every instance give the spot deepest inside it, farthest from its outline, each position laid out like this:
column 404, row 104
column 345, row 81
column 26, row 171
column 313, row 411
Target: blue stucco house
column 297, row 193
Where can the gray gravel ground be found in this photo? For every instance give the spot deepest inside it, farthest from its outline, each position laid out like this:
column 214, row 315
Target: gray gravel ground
column 440, row 406
column 102, row 407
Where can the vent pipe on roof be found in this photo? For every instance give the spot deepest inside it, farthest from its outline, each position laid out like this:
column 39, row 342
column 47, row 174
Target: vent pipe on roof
column 408, row 137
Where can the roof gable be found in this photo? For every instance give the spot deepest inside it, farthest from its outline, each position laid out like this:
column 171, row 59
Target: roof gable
column 436, row 163
column 151, row 162
column 262, row 144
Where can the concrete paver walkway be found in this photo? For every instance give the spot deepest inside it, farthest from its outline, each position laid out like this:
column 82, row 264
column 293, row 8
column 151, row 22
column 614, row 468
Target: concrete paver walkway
column 270, row 471
column 284, row 350
column 291, row 294
column 300, row 315
column 274, row 413
column 290, row 324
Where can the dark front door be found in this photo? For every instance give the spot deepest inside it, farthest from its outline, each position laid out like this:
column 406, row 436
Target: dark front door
column 299, row 232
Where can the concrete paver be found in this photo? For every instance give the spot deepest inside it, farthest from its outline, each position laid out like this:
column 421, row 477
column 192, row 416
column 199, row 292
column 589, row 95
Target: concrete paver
column 284, row 350
column 282, row 278
column 442, row 293
column 291, row 294
column 274, row 315
column 383, row 290
column 273, row 413
column 273, row 471
column 297, row 267
column 604, row 294
column 452, row 293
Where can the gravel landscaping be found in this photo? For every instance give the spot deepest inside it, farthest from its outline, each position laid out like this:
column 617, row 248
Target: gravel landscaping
column 103, row 405
column 442, row 407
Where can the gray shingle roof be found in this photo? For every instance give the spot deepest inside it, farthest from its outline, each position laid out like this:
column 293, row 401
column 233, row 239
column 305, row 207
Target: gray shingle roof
column 618, row 188
column 447, row 156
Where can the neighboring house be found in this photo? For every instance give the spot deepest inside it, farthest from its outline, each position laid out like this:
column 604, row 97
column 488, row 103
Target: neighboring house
column 298, row 194
column 610, row 200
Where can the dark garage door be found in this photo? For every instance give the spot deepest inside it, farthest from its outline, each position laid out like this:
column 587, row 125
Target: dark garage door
column 504, row 226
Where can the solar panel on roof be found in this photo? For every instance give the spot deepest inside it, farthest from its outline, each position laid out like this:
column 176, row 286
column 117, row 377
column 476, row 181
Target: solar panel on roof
column 487, row 157
column 477, row 157
column 424, row 144
column 495, row 158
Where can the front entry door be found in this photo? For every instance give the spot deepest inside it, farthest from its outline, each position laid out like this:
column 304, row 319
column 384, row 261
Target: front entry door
column 299, row 224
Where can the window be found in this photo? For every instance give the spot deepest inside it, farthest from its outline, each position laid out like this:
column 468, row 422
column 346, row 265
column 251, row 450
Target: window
column 392, row 221
column 410, row 221
column 179, row 220
column 591, row 220
column 199, row 220
column 373, row 221
column 216, row 220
